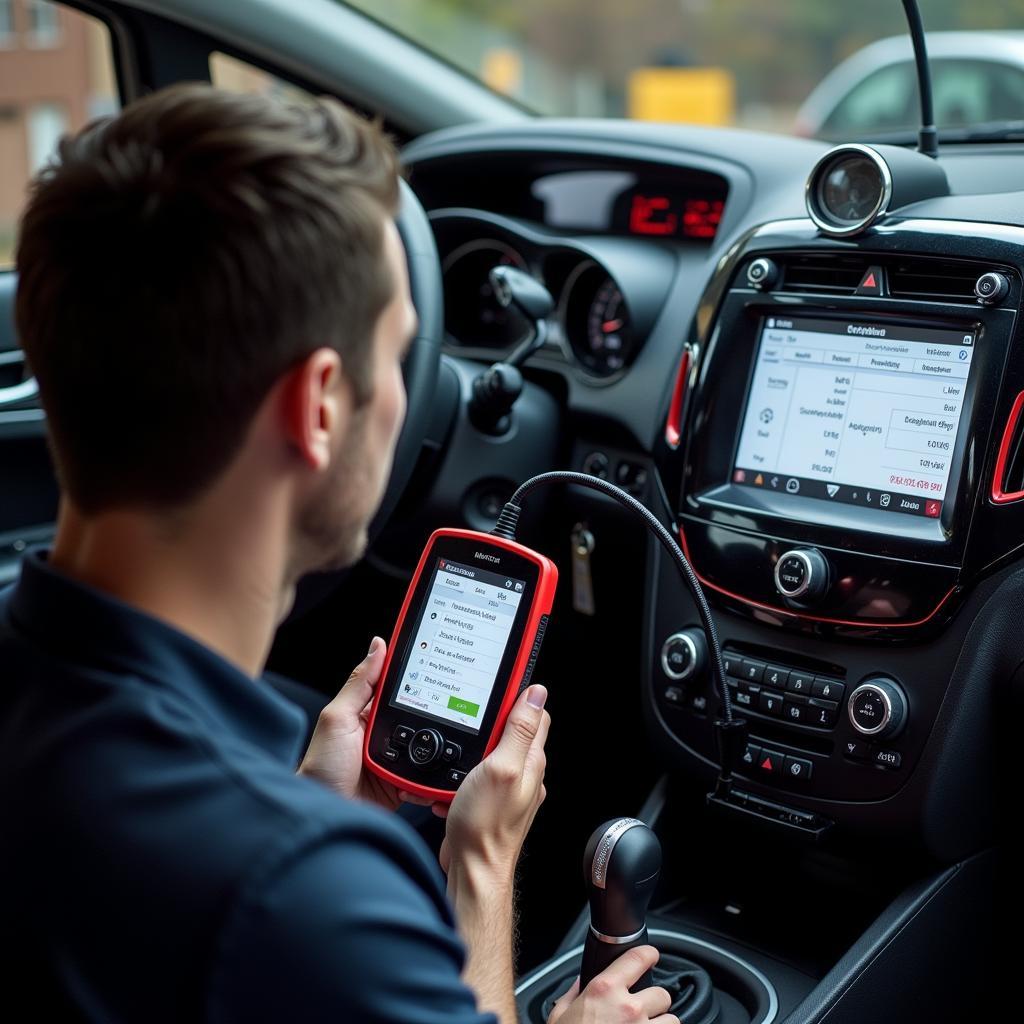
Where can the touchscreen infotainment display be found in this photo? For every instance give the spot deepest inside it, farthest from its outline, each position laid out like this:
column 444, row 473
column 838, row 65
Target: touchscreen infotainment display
column 855, row 412
column 459, row 642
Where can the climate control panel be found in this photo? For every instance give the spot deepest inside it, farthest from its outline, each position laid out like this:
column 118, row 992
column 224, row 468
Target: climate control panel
column 813, row 728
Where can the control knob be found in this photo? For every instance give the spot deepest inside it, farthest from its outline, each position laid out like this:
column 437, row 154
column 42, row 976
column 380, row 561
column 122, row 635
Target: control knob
column 878, row 708
column 684, row 655
column 802, row 575
column 991, row 288
column 762, row 274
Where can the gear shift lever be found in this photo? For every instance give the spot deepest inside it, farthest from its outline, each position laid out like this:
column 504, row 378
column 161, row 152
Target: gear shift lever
column 620, row 866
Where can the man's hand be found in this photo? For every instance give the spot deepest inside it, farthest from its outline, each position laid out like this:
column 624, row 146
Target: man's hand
column 497, row 801
column 335, row 754
column 607, row 999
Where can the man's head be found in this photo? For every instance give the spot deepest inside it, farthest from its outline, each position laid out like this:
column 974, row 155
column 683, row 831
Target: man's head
column 197, row 256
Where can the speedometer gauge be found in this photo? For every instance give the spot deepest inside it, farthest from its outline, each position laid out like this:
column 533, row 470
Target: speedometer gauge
column 597, row 321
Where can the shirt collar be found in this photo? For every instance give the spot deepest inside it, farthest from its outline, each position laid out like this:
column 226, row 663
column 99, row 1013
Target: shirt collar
column 92, row 629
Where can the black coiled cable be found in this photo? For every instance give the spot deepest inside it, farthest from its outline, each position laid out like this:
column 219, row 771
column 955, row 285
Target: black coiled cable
column 509, row 520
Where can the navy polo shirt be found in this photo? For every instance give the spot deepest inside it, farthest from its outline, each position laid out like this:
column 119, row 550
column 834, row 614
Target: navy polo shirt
column 161, row 860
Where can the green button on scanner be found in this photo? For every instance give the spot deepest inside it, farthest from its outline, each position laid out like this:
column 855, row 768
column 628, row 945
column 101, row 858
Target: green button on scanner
column 464, row 707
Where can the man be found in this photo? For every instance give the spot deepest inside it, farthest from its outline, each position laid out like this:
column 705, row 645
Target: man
column 213, row 297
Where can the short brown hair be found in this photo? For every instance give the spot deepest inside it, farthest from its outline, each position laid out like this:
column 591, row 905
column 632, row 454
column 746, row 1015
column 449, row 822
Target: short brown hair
column 176, row 260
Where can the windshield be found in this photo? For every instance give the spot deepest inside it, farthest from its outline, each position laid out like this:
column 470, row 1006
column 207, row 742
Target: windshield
column 838, row 71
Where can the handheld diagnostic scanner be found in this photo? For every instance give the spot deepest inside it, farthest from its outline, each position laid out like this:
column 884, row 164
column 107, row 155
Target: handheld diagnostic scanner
column 462, row 650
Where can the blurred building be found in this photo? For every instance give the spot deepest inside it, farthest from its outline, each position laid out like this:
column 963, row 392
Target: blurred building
column 56, row 73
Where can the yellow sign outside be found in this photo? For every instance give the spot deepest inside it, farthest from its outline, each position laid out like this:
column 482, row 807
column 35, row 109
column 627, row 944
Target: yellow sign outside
column 686, row 95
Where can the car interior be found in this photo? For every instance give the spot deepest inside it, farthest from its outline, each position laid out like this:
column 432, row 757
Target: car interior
column 856, row 524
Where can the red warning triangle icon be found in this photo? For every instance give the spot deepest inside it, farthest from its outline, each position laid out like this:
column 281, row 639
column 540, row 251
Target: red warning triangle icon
column 871, row 282
column 767, row 765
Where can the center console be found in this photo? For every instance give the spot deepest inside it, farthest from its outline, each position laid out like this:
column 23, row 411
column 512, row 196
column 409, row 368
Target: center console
column 843, row 464
column 843, row 478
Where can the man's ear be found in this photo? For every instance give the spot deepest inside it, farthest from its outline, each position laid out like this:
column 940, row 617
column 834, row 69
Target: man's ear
column 316, row 406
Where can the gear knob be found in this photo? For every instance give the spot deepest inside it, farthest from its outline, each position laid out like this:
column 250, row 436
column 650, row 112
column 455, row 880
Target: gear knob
column 620, row 866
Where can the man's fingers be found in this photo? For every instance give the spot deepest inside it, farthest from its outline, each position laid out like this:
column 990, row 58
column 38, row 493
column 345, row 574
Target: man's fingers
column 563, row 1001
column 655, row 1001
column 631, row 966
column 412, row 798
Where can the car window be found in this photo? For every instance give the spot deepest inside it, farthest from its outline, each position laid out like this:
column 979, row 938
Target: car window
column 973, row 92
column 236, row 75
column 883, row 101
column 56, row 74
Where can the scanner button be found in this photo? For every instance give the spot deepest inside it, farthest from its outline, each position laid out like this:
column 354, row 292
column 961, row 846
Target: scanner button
column 451, row 753
column 425, row 746
column 402, row 735
column 454, row 777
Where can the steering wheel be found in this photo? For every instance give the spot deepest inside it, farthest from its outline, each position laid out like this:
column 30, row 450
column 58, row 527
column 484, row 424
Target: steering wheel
column 424, row 355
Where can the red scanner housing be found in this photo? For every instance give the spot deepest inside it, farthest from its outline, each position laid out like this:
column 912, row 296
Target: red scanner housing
column 463, row 649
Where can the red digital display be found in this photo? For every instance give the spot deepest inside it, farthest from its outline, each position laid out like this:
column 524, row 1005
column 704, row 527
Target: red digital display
column 666, row 215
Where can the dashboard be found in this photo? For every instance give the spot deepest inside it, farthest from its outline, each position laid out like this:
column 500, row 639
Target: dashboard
column 827, row 414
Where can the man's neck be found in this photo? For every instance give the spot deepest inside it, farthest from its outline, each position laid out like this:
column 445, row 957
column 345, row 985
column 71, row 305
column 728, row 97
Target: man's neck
column 213, row 577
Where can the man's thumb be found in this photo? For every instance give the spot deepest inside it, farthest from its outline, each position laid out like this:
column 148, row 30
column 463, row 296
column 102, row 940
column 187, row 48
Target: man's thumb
column 525, row 719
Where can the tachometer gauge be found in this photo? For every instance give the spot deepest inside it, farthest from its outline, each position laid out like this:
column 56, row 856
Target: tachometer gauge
column 597, row 321
column 473, row 316
column 607, row 330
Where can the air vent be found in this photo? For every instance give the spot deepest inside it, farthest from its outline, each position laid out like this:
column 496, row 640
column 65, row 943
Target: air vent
column 824, row 274
column 920, row 279
column 934, row 280
column 1008, row 479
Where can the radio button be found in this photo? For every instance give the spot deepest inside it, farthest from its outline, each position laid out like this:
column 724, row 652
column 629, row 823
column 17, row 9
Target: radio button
column 888, row 758
column 797, row 768
column 828, row 689
column 745, row 698
column 425, row 747
column 796, row 709
column 752, row 671
column 775, row 676
column 770, row 703
column 800, row 682
column 823, row 712
column 732, row 663
column 856, row 750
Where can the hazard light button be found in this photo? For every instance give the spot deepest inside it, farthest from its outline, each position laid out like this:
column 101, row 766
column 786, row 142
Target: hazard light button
column 769, row 762
column 872, row 283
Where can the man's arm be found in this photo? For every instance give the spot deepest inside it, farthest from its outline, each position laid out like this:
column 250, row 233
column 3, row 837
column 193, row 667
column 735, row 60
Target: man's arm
column 487, row 824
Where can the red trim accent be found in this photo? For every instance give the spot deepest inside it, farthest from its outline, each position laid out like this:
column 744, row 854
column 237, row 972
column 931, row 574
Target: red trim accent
column 861, row 623
column 543, row 599
column 998, row 494
column 674, row 422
